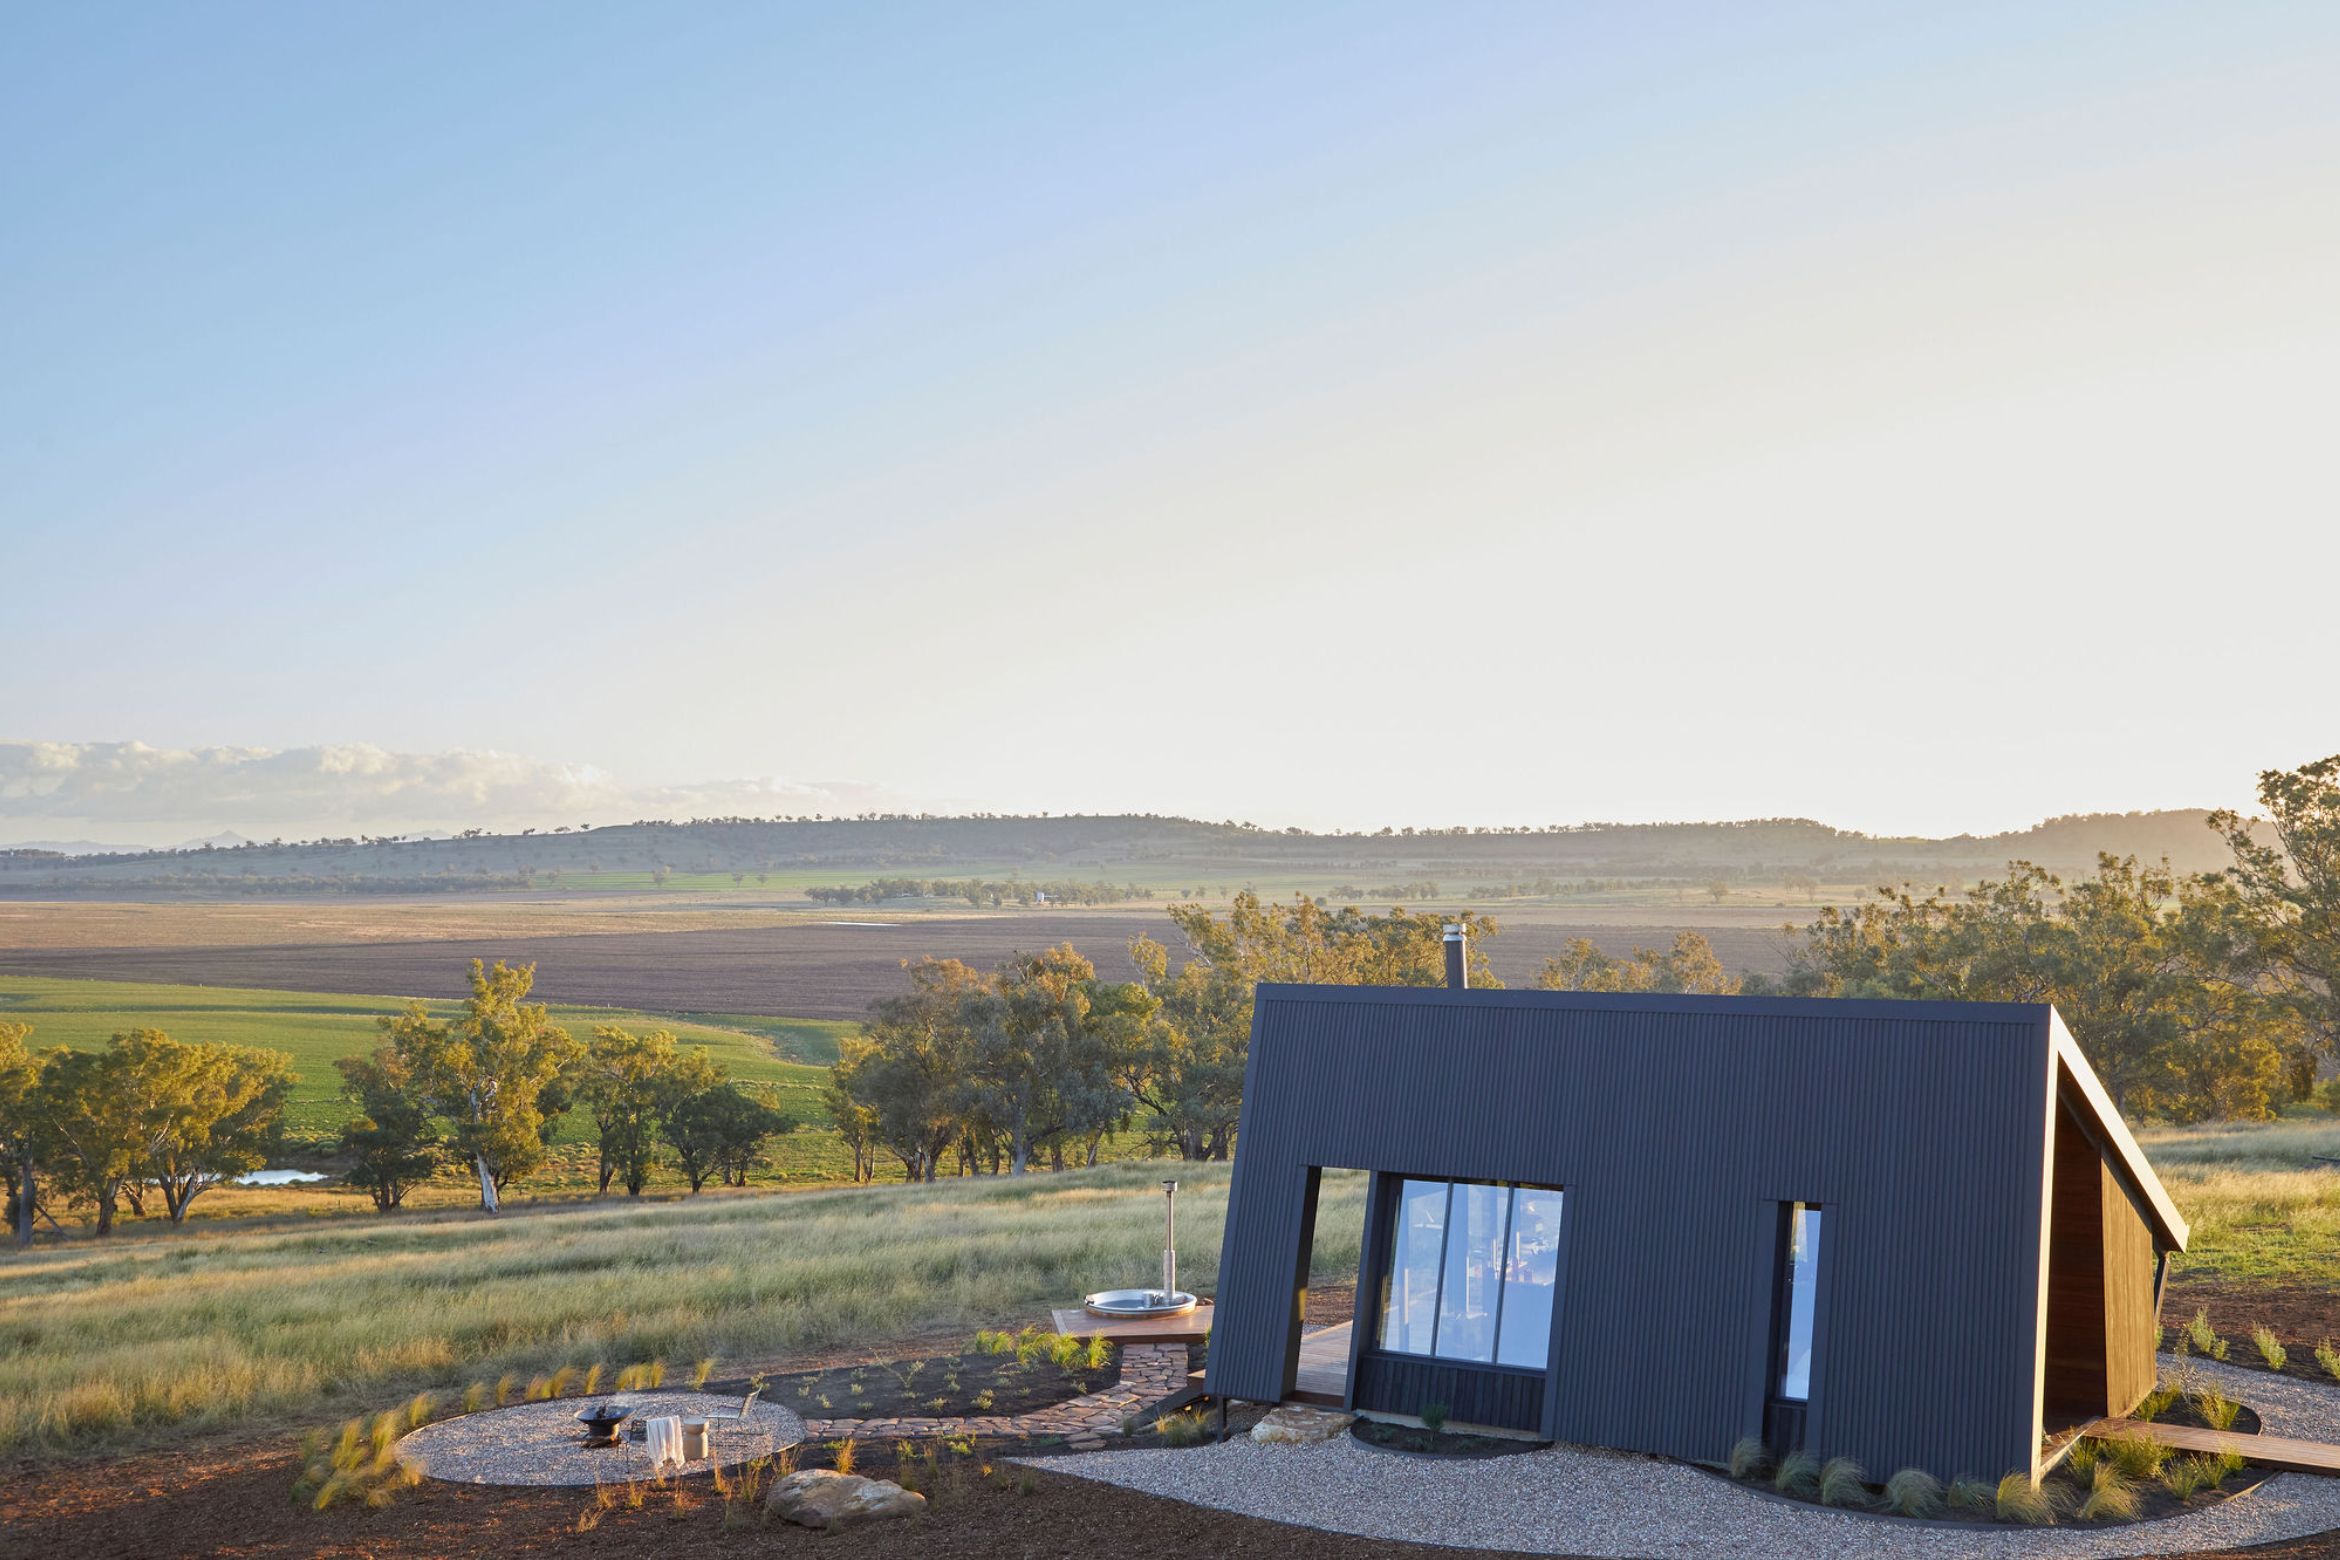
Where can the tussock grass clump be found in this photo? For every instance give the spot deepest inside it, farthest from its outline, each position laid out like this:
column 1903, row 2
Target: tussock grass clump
column 1751, row 1459
column 419, row 1410
column 2269, row 1346
column 2136, row 1457
column 2201, row 1338
column 1844, row 1482
column 475, row 1397
column 1971, row 1497
column 2218, row 1411
column 1798, row 1474
column 2187, row 1477
column 701, row 1371
column 506, row 1384
column 1913, row 1492
column 593, row 1374
column 843, row 1453
column 2156, row 1403
column 2081, row 1460
column 1100, row 1354
column 1181, row 1429
column 2110, row 1497
column 2019, row 1500
column 540, row 1389
column 2329, row 1358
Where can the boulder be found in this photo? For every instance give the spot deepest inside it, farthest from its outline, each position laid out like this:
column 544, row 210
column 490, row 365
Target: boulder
column 826, row 1499
column 1296, row 1424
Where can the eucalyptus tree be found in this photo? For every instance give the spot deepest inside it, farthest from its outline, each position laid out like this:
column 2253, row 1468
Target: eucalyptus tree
column 495, row 1072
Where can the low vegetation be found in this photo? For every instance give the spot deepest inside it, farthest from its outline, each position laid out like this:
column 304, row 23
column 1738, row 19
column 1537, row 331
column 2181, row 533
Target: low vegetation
column 111, row 1344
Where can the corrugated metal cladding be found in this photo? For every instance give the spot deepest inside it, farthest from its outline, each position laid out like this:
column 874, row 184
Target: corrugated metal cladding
column 1677, row 1125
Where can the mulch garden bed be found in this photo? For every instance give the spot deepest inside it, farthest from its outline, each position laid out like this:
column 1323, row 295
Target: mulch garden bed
column 1418, row 1442
column 934, row 1387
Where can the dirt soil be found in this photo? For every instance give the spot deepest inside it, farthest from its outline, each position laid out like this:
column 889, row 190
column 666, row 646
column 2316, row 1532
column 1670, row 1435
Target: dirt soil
column 2301, row 1317
column 805, row 969
column 228, row 1498
column 929, row 1388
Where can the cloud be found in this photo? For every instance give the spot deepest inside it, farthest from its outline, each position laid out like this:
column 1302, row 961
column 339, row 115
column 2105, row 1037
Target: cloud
column 357, row 787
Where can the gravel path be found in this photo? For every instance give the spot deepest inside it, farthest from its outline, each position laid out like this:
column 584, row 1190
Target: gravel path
column 1581, row 1501
column 542, row 1443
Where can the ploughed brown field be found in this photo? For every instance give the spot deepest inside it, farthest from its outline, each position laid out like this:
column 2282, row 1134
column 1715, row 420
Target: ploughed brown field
column 803, row 969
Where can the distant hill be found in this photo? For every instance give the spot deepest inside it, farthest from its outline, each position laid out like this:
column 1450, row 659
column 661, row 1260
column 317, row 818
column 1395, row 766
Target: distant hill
column 1167, row 856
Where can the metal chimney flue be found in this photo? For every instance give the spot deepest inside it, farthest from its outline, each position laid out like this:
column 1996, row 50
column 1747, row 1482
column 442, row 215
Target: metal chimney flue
column 1458, row 963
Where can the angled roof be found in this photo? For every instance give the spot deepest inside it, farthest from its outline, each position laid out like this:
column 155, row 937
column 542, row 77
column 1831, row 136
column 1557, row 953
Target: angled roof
column 2076, row 1079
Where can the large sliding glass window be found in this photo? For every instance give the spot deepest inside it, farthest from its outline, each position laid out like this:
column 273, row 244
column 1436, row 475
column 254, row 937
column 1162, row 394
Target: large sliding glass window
column 1473, row 1272
column 1799, row 1295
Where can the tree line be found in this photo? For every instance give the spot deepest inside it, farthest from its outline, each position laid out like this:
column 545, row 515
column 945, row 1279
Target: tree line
column 147, row 1117
column 2194, row 995
column 488, row 1088
column 979, row 892
column 1039, row 1059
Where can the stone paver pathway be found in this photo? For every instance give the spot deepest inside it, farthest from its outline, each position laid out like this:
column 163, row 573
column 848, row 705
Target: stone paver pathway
column 1150, row 1372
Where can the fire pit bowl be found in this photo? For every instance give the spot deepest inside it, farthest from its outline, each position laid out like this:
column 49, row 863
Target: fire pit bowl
column 1139, row 1302
column 601, row 1421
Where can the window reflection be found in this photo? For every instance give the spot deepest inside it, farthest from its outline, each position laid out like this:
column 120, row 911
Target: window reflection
column 1800, row 1286
column 1473, row 1272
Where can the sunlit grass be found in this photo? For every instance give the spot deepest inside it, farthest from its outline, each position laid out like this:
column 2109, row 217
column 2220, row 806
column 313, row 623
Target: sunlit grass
column 102, row 1345
column 2262, row 1207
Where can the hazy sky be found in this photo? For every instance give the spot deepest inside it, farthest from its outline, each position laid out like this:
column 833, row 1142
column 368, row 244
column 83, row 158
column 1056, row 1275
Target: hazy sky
column 1917, row 417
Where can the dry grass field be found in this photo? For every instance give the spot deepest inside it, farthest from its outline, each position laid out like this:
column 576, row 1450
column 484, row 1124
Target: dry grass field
column 112, row 1344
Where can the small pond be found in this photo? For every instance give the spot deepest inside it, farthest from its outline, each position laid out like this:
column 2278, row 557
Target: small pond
column 278, row 1177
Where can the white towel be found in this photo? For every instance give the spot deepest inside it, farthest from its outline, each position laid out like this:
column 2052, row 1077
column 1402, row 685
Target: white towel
column 663, row 1440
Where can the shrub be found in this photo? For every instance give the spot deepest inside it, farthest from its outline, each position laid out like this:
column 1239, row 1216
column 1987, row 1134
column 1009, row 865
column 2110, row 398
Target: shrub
column 982, row 1401
column 2270, row 1349
column 2203, row 1338
column 2187, row 1476
column 1844, row 1482
column 1750, row 1458
column 2019, row 1500
column 2329, row 1358
column 841, row 1454
column 2218, row 1411
column 1913, row 1492
column 1434, row 1417
column 2136, row 1457
column 1798, row 1474
column 1973, row 1497
column 1181, row 1429
column 2110, row 1498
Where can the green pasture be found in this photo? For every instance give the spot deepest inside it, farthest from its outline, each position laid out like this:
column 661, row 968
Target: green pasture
column 316, row 1029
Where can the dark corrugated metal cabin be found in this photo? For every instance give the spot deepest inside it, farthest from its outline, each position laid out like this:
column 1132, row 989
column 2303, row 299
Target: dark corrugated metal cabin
column 1915, row 1233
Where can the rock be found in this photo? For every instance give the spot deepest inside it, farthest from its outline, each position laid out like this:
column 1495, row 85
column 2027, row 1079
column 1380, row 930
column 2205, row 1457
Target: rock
column 826, row 1499
column 1295, row 1424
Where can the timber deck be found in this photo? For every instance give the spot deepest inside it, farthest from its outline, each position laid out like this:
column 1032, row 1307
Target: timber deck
column 1323, row 1374
column 2280, row 1452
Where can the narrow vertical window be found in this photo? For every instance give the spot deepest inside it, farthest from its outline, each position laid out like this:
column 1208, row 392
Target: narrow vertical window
column 1799, row 1292
column 1474, row 1273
